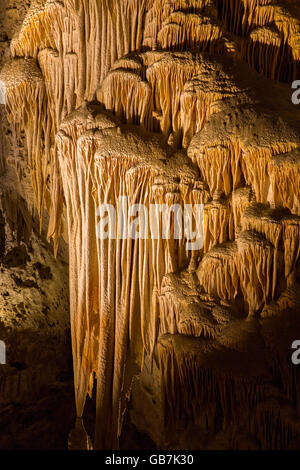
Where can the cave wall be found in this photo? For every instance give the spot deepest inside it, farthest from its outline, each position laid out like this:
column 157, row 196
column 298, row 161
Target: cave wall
column 179, row 103
column 36, row 396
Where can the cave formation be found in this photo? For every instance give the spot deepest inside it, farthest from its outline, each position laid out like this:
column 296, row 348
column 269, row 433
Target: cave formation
column 179, row 102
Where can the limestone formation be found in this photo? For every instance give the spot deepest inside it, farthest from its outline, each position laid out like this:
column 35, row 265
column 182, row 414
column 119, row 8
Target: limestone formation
column 181, row 103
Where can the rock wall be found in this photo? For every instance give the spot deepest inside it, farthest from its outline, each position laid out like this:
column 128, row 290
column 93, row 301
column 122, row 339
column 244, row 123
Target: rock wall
column 179, row 103
column 36, row 382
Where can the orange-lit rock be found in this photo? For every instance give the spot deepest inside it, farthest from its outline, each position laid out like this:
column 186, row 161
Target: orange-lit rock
column 179, row 102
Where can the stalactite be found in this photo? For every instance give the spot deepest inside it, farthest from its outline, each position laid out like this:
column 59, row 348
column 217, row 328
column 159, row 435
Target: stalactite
column 278, row 226
column 133, row 167
column 255, row 267
column 291, row 240
column 262, row 51
column 241, row 199
column 61, row 82
column 238, row 14
column 199, row 97
column 218, row 272
column 183, row 31
column 256, row 21
column 285, row 181
column 165, row 76
column 238, row 153
column 159, row 13
column 193, row 377
column 183, row 311
column 268, row 223
column 256, row 167
column 26, row 103
column 125, row 93
column 73, row 29
column 218, row 162
column 148, row 101
column 139, row 88
column 218, row 223
column 41, row 28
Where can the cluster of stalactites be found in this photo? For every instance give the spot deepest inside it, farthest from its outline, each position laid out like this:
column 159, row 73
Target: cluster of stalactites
column 270, row 35
column 171, row 93
column 184, row 310
column 114, row 294
column 262, row 52
column 224, row 166
column 32, row 107
column 96, row 32
column 27, row 104
column 218, row 223
column 199, row 389
column 158, row 13
column 285, row 180
column 42, row 27
column 236, row 156
column 152, row 100
column 266, row 248
column 189, row 31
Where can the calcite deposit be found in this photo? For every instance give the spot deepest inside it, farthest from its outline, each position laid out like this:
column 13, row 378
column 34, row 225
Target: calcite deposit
column 185, row 102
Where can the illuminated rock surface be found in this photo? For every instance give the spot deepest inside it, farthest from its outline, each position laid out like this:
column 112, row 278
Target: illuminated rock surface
column 180, row 102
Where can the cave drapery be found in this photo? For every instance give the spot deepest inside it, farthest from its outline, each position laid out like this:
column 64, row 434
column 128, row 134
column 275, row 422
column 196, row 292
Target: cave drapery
column 179, row 102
